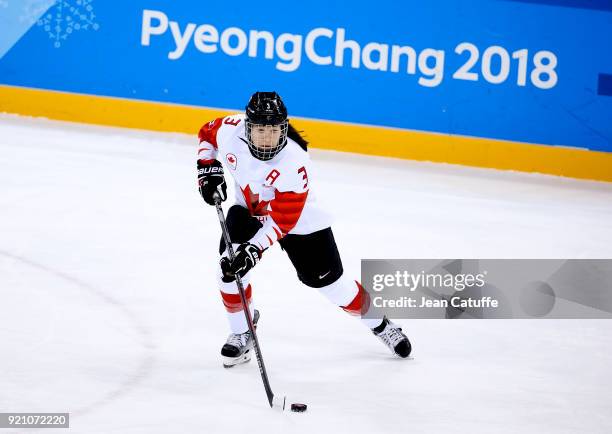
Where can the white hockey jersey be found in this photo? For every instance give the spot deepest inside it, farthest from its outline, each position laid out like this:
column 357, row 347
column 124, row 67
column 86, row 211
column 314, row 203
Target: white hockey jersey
column 278, row 192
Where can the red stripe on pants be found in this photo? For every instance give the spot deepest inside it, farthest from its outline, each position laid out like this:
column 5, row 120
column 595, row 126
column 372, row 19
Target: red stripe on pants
column 233, row 303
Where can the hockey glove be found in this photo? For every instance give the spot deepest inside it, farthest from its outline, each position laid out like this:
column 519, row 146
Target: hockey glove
column 247, row 255
column 211, row 181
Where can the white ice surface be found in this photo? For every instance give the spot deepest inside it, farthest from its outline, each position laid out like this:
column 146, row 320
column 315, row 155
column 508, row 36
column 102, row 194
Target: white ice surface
column 109, row 311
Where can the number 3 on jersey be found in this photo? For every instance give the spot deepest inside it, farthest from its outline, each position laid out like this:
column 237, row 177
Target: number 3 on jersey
column 230, row 121
column 305, row 176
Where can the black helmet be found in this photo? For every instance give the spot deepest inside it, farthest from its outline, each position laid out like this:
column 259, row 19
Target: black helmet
column 266, row 109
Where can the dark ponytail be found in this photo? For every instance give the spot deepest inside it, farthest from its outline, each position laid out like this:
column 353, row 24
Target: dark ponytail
column 295, row 135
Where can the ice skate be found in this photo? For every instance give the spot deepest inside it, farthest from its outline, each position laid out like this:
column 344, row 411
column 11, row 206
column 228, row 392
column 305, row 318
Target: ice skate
column 239, row 347
column 392, row 336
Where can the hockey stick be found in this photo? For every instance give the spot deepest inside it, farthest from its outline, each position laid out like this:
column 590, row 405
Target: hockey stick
column 274, row 402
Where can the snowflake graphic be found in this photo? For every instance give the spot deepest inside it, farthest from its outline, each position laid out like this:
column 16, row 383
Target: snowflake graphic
column 32, row 9
column 66, row 17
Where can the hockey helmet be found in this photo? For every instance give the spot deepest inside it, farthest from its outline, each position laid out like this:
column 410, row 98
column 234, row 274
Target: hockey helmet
column 266, row 125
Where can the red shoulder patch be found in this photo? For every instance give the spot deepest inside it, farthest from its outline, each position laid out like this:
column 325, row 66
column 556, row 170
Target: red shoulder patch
column 208, row 132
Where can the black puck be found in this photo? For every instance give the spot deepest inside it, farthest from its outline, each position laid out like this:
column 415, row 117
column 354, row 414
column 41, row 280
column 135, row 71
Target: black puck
column 298, row 408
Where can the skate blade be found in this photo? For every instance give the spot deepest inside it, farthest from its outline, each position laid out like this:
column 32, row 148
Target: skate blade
column 230, row 362
column 398, row 357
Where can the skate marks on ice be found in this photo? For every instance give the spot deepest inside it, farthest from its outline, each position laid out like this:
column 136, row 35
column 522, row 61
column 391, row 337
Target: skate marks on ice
column 141, row 333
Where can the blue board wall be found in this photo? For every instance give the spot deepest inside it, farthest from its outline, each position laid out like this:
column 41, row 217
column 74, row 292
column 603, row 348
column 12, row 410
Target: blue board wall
column 527, row 71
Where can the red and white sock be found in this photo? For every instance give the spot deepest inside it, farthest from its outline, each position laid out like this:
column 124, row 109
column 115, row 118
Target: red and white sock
column 350, row 296
column 233, row 305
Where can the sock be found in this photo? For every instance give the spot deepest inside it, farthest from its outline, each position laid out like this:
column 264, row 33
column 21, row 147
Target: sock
column 233, row 305
column 349, row 294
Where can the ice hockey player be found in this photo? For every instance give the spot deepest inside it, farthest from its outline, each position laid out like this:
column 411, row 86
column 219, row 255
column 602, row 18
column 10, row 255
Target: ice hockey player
column 275, row 202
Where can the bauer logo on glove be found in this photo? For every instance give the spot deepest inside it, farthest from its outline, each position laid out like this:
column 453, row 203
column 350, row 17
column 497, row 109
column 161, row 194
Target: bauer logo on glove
column 211, row 181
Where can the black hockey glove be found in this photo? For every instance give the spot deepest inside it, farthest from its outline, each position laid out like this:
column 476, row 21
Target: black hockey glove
column 247, row 255
column 211, row 181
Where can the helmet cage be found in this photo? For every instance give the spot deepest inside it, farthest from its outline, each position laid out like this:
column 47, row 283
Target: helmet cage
column 266, row 152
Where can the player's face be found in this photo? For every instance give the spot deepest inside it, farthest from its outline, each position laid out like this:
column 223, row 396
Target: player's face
column 265, row 136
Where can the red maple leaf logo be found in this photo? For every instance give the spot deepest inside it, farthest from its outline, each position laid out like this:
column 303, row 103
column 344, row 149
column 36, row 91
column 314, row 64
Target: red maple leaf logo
column 256, row 208
column 231, row 159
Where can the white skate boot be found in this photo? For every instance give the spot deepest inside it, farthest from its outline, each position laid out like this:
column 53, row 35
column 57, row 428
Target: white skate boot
column 239, row 346
column 392, row 336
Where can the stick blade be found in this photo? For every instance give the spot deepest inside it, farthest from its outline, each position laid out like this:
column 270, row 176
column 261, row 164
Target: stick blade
column 278, row 402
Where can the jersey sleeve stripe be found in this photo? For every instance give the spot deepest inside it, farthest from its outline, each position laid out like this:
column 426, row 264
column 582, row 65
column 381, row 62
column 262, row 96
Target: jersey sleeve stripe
column 279, row 235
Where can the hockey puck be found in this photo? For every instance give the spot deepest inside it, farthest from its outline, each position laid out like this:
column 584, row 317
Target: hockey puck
column 298, row 408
